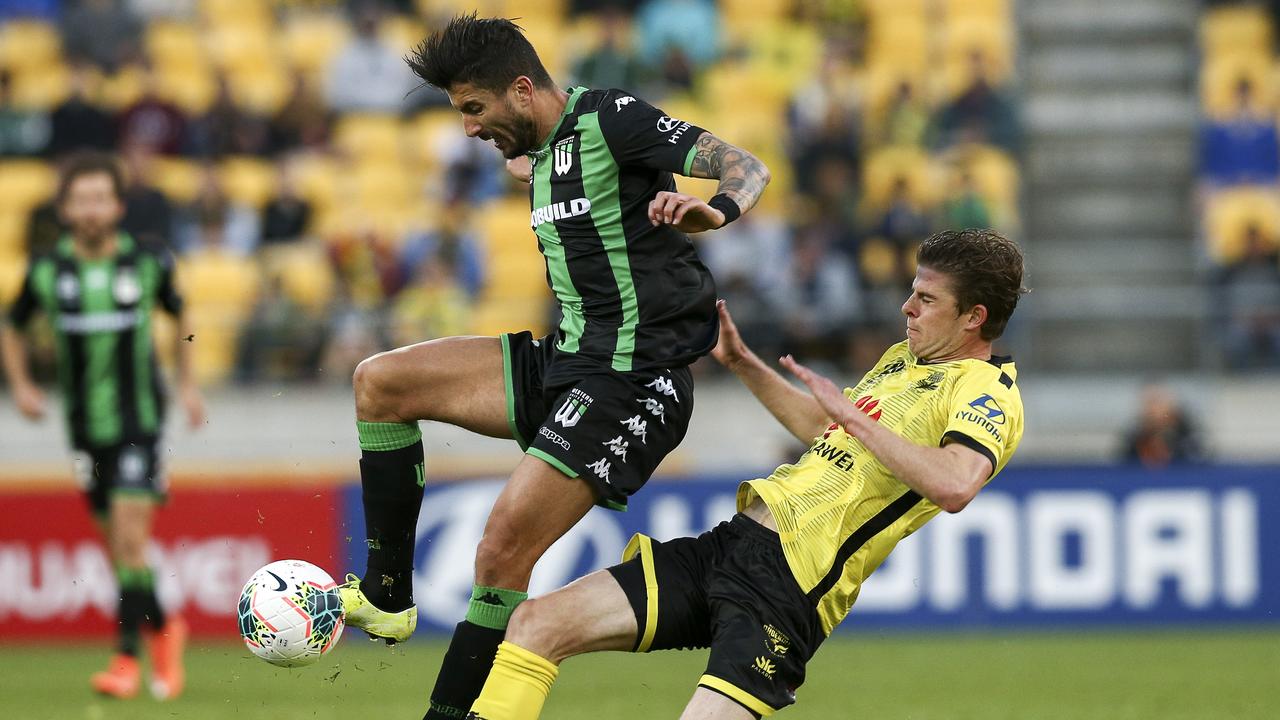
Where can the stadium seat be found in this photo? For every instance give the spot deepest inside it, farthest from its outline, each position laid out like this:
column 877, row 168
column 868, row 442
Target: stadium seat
column 311, row 40
column 247, row 49
column 29, row 44
column 427, row 137
column 243, row 13
column 25, row 184
column 878, row 10
column 996, row 175
column 41, row 87
column 317, row 179
column 177, row 178
column 261, row 90
column 516, row 268
column 190, row 87
column 898, row 39
column 953, row 10
column 401, row 32
column 305, row 272
column 1220, row 75
column 1240, row 29
column 168, row 42
column 365, row 137
column 248, row 180
column 220, row 290
column 121, row 88
column 1230, row 213
column 885, row 165
column 992, row 38
column 13, row 240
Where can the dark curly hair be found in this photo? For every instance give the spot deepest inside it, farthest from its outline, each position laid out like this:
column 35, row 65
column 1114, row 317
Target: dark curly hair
column 985, row 269
column 90, row 163
column 489, row 53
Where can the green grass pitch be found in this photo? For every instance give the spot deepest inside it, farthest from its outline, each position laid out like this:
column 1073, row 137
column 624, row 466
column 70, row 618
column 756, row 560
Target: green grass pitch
column 1126, row 675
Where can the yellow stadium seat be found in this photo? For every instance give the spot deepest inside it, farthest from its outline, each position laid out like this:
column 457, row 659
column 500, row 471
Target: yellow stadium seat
column 883, row 168
column 220, row 290
column 1219, row 77
column 243, row 13
column 878, row 261
column 177, row 178
column 25, row 184
column 499, row 316
column 169, row 42
column 248, row 180
column 42, row 87
column 547, row 36
column 263, row 90
column 427, row 136
column 898, row 39
column 192, row 88
column 244, row 49
column 878, row 10
column 317, row 179
column 366, row 137
column 401, row 32
column 382, row 183
column 990, row 38
column 122, row 88
column 996, row 175
column 1229, row 215
column 1233, row 30
column 311, row 40
column 29, row 44
column 995, row 9
column 13, row 235
column 305, row 272
column 12, row 270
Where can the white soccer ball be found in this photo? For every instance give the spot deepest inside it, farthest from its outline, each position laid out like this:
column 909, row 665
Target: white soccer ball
column 290, row 613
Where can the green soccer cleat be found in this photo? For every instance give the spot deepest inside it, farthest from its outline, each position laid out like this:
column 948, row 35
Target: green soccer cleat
column 379, row 624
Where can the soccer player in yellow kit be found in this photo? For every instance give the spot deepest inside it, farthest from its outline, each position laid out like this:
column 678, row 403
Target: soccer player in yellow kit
column 935, row 419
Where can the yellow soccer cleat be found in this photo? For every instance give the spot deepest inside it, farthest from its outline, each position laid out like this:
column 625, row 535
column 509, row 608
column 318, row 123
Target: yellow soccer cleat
column 379, row 624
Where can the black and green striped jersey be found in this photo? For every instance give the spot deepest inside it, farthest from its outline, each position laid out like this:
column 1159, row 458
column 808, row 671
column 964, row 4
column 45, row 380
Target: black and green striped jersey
column 100, row 311
column 632, row 296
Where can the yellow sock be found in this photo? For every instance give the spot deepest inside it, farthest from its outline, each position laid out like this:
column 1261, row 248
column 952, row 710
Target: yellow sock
column 517, row 686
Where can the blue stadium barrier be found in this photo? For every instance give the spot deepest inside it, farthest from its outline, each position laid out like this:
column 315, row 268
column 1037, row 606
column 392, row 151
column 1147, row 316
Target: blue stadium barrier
column 1041, row 546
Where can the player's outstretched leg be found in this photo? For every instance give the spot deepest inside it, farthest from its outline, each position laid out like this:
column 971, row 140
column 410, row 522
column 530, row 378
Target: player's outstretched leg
column 538, row 505
column 128, row 529
column 455, row 380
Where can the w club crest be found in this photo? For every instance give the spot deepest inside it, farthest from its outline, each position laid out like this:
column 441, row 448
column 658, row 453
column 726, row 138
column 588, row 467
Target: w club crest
column 564, row 156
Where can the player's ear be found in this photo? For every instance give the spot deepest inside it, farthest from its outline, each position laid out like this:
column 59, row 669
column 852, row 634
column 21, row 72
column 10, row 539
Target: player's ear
column 976, row 316
column 522, row 87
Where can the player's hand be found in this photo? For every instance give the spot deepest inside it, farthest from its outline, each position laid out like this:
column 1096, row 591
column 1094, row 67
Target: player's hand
column 729, row 349
column 193, row 403
column 30, row 400
column 827, row 393
column 521, row 168
column 686, row 213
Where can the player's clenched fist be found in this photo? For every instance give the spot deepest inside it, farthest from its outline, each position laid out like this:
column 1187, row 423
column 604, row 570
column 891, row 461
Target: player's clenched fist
column 686, row 213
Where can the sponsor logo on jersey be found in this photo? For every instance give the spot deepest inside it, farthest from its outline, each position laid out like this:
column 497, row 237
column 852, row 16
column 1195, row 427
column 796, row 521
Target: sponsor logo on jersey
column 559, row 211
column 554, row 436
column 988, row 406
column 571, row 412
column 84, row 323
column 930, row 383
column 830, row 429
column 67, row 287
column 765, row 666
column 618, row 447
column 986, row 414
column 622, row 102
column 869, row 407
column 667, row 124
column 839, row 458
column 127, row 289
column 563, row 156
column 775, row 641
column 601, row 468
column 638, row 427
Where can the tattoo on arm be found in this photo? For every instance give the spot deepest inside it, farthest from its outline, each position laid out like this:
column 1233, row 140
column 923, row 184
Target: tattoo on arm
column 742, row 176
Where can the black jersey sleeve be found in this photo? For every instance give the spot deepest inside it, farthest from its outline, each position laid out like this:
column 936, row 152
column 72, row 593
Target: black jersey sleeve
column 641, row 134
column 22, row 309
column 166, row 289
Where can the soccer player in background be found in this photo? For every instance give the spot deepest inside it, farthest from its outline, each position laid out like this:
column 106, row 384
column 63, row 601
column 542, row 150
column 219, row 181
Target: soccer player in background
column 597, row 404
column 98, row 289
column 934, row 420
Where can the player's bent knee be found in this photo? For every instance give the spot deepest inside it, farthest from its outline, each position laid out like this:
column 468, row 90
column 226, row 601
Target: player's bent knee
column 536, row 627
column 502, row 560
column 375, row 381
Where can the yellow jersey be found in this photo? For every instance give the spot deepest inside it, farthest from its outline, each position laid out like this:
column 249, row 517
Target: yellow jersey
column 839, row 510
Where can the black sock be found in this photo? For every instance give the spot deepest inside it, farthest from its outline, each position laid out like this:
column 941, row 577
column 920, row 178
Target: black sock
column 133, row 604
column 465, row 668
column 391, row 477
column 152, row 612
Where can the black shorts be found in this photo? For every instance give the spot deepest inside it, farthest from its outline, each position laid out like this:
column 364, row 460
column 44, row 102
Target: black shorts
column 607, row 427
column 729, row 589
column 124, row 469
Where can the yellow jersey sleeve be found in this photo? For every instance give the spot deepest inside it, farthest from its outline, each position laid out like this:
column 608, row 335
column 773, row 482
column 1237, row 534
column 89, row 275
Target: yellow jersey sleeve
column 985, row 415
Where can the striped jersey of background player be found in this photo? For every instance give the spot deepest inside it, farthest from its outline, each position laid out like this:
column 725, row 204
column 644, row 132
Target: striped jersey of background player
column 597, row 404
column 98, row 289
column 924, row 430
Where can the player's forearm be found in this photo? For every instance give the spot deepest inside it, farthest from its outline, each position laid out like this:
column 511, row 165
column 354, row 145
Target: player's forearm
column 795, row 409
column 743, row 177
column 13, row 354
column 936, row 473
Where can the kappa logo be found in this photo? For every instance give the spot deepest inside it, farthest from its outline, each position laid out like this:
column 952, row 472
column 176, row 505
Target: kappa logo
column 555, row 437
column 775, row 641
column 622, row 102
column 654, row 407
column 618, row 447
column 664, row 386
column 638, row 427
column 765, row 666
column 601, row 468
column 563, row 156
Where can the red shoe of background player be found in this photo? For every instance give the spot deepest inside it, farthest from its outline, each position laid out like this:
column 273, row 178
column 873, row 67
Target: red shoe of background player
column 166, row 646
column 120, row 679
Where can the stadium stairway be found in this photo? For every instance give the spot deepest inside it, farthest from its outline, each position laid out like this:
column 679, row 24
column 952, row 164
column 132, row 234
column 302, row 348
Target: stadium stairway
column 1110, row 115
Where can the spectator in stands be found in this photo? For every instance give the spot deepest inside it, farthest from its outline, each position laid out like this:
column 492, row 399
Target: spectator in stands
column 964, row 206
column 471, row 171
column 282, row 340
column 749, row 260
column 824, row 120
column 368, row 268
column 226, row 129
column 286, row 217
column 980, row 114
column 1163, row 434
column 148, row 215
column 237, row 225
column 1248, row 298
column 79, row 124
column 904, row 223
column 368, row 75
column 686, row 29
column 302, row 122
column 22, row 132
column 434, row 304
column 1241, row 149
column 152, row 121
column 818, row 299
column 906, row 121
column 612, row 63
column 103, row 32
column 453, row 241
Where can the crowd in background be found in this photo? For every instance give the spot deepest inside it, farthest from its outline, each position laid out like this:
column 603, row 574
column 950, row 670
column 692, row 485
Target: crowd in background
column 231, row 160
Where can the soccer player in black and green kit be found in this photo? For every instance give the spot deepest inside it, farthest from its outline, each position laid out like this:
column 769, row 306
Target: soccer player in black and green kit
column 597, row 404
column 98, row 289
